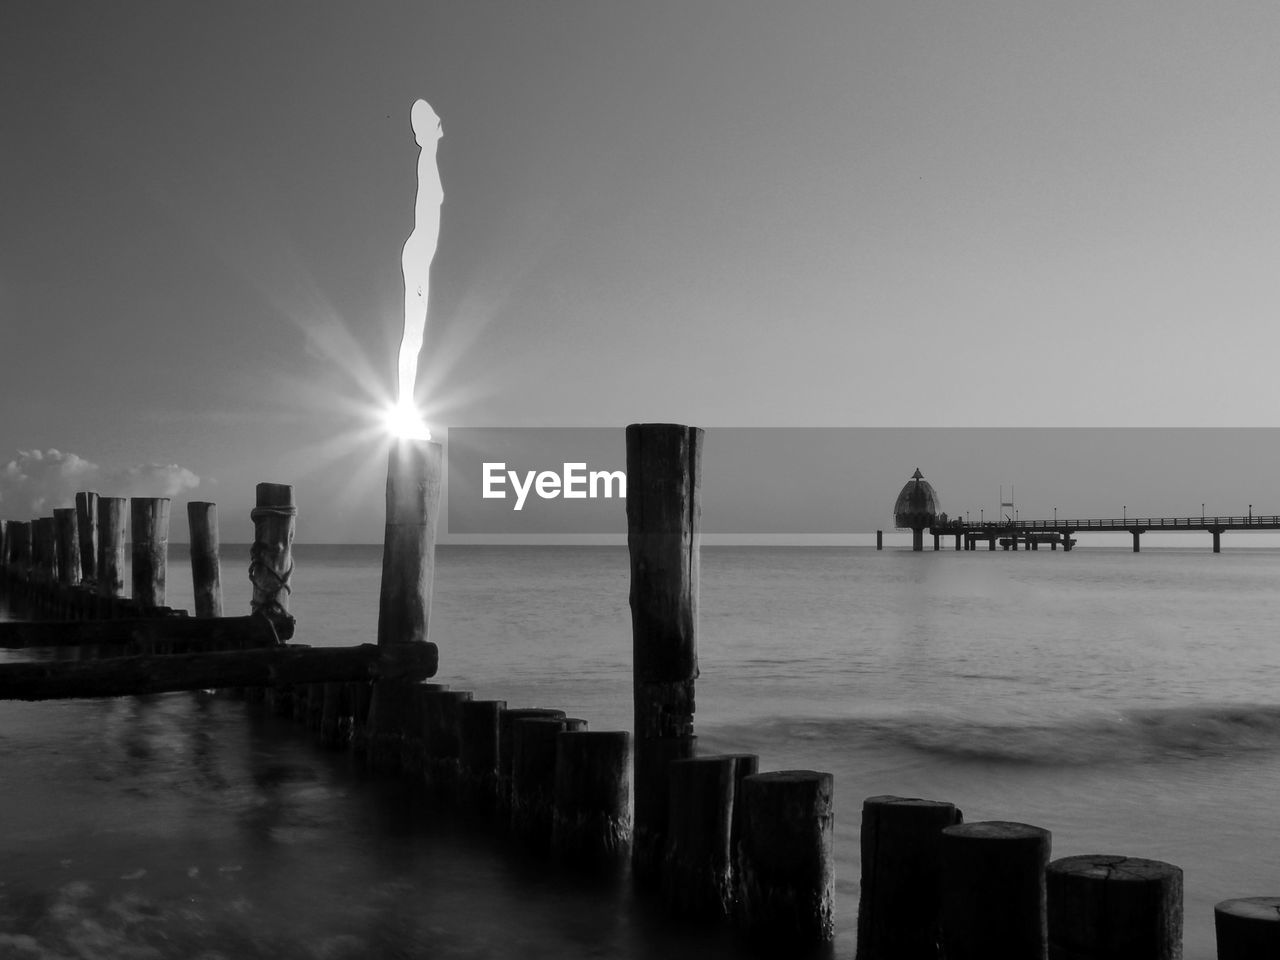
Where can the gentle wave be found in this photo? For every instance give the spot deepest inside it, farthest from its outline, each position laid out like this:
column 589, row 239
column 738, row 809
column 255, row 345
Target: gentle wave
column 1148, row 735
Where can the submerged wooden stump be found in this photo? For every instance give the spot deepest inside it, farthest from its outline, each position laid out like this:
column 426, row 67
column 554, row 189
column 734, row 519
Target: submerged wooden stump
column 1104, row 907
column 591, row 820
column 533, row 775
column 1248, row 928
column 786, row 875
column 900, row 902
column 993, row 891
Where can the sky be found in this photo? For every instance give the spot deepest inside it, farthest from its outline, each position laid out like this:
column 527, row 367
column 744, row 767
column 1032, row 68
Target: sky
column 726, row 213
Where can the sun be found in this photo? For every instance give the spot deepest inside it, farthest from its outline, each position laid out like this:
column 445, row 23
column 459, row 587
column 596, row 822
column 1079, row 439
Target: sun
column 405, row 421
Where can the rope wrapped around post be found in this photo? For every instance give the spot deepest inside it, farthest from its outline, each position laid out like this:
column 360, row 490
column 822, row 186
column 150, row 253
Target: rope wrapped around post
column 270, row 556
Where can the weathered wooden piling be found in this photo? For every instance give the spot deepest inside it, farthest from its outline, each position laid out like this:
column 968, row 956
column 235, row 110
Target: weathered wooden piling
column 67, row 546
column 111, row 537
column 507, row 720
column 664, row 515
column 361, row 697
column 271, row 557
column 87, row 525
column 993, row 891
column 4, row 544
column 1248, row 928
column 1114, row 908
column 442, row 730
column 44, row 563
column 785, row 874
column 20, row 548
column 533, row 775
column 478, row 722
column 206, row 572
column 697, row 876
column 900, row 901
column 408, row 549
column 591, row 820
column 393, row 709
column 149, row 532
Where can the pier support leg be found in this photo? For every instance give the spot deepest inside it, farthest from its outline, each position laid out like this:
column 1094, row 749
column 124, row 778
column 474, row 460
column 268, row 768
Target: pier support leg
column 991, row 543
column 937, row 542
column 879, row 539
column 1217, row 540
column 664, row 519
column 1135, row 541
column 917, row 539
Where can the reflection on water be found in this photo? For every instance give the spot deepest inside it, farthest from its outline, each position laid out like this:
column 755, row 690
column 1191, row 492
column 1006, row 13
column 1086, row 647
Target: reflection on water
column 185, row 826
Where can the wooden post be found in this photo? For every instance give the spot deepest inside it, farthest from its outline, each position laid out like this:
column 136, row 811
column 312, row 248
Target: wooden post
column 67, row 546
column 149, row 530
column 786, row 882
column 44, row 553
column 506, row 739
column 696, row 876
column 408, row 547
column 392, row 708
column 1248, row 928
column 206, row 573
column 591, row 820
column 1114, row 908
column 20, row 549
column 533, row 775
column 361, row 697
column 87, row 524
column 898, row 911
column 4, row 544
column 111, row 546
column 879, row 539
column 664, row 515
column 478, row 753
column 271, row 556
column 993, row 891
column 335, row 715
column 441, row 730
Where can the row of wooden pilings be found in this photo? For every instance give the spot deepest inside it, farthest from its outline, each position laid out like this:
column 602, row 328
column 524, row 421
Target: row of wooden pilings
column 71, row 564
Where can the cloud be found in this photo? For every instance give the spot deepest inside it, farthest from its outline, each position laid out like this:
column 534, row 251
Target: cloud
column 37, row 481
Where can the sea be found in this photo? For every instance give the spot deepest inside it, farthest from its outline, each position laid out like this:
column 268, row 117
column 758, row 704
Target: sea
column 1128, row 702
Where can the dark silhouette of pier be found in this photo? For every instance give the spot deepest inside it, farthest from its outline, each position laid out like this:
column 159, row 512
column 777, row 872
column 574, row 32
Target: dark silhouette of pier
column 1030, row 534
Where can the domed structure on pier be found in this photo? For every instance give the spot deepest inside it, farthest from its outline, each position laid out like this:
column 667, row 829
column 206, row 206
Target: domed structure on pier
column 917, row 505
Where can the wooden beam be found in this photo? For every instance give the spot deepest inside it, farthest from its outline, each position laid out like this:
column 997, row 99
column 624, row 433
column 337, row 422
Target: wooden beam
column 254, row 630
column 129, row 676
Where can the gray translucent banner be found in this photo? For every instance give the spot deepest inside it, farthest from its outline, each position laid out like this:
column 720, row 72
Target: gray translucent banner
column 844, row 480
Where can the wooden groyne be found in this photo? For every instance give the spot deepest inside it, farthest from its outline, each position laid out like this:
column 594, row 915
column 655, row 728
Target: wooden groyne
column 712, row 838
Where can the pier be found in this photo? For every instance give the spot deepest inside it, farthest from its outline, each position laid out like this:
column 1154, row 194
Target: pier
column 1032, row 534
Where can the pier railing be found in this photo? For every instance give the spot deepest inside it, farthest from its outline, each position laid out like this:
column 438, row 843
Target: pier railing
column 1255, row 521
